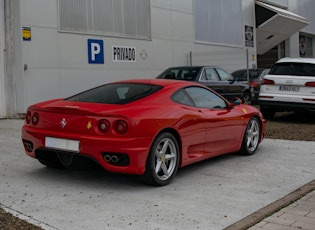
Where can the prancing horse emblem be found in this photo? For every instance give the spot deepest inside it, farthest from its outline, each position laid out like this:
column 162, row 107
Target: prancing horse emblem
column 63, row 122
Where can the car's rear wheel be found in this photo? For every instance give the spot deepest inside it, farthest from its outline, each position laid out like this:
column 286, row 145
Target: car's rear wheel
column 251, row 137
column 163, row 160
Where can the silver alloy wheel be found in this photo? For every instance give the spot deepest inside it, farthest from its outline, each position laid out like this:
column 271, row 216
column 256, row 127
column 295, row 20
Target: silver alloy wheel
column 252, row 135
column 165, row 159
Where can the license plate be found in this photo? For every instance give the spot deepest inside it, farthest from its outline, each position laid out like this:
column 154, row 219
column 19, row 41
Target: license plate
column 289, row 88
column 62, row 144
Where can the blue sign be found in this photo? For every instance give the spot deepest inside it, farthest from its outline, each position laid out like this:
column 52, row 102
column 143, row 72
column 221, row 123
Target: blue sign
column 95, row 51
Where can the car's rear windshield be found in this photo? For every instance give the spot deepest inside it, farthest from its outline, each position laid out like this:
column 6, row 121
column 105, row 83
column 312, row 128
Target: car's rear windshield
column 292, row 68
column 116, row 93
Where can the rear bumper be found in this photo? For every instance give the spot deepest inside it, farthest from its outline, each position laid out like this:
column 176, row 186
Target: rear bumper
column 92, row 147
column 280, row 106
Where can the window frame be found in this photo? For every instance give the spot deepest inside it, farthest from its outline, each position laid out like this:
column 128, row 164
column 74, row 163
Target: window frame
column 194, row 101
column 207, row 38
column 90, row 30
column 203, row 77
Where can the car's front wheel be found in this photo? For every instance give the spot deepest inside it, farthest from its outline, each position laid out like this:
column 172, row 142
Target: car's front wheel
column 251, row 137
column 247, row 98
column 163, row 160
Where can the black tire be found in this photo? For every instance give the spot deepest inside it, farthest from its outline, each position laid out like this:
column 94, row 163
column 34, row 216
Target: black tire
column 267, row 113
column 251, row 137
column 163, row 160
column 247, row 99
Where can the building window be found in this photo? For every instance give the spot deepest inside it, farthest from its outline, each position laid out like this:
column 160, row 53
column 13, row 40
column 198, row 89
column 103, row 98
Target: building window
column 219, row 22
column 122, row 18
column 306, row 46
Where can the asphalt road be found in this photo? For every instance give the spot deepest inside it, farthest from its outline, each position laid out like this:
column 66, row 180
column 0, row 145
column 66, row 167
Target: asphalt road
column 209, row 195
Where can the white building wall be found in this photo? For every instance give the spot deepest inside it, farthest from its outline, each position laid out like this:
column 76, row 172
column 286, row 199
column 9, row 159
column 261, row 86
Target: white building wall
column 57, row 63
column 2, row 48
column 306, row 9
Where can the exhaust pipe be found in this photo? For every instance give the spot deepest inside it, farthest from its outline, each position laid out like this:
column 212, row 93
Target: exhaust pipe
column 114, row 159
column 111, row 158
column 107, row 158
column 28, row 145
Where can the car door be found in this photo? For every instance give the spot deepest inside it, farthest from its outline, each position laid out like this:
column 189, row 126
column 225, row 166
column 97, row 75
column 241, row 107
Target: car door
column 223, row 125
column 232, row 87
column 191, row 126
column 211, row 79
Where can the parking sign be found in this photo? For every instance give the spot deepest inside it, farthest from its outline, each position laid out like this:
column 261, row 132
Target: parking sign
column 95, row 51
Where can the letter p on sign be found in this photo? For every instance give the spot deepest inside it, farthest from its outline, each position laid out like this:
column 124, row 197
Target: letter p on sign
column 95, row 51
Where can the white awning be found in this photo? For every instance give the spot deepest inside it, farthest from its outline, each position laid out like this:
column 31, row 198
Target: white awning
column 274, row 25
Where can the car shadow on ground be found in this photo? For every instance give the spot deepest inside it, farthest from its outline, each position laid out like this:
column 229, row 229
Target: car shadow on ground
column 293, row 117
column 100, row 178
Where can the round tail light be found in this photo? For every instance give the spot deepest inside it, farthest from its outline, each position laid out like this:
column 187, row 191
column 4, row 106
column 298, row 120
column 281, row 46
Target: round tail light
column 121, row 126
column 28, row 117
column 35, row 119
column 103, row 126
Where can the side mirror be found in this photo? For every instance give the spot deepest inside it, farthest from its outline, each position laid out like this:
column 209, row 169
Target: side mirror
column 235, row 101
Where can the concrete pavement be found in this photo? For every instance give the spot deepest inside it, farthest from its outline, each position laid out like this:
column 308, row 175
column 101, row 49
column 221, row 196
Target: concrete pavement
column 215, row 194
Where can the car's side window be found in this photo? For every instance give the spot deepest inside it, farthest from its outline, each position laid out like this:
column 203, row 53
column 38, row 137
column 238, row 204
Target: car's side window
column 209, row 74
column 182, row 97
column 204, row 98
column 225, row 76
column 188, row 75
column 240, row 75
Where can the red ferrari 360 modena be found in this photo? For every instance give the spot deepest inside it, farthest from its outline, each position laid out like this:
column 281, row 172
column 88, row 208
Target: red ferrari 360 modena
column 148, row 127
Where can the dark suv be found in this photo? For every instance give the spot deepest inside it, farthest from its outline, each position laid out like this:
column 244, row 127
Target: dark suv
column 254, row 78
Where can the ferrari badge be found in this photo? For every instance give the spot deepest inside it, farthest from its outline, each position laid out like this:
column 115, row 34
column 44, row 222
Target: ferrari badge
column 89, row 125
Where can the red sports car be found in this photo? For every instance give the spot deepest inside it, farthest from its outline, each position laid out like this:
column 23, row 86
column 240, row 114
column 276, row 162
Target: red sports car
column 144, row 127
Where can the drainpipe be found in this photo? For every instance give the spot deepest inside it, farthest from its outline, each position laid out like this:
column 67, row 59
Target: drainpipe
column 9, row 60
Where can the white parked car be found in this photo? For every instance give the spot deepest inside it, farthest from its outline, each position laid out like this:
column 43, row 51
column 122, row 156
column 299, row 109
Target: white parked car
column 289, row 86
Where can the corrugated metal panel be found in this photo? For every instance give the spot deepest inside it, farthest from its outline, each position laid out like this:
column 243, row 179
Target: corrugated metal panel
column 73, row 15
column 125, row 18
column 213, row 22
